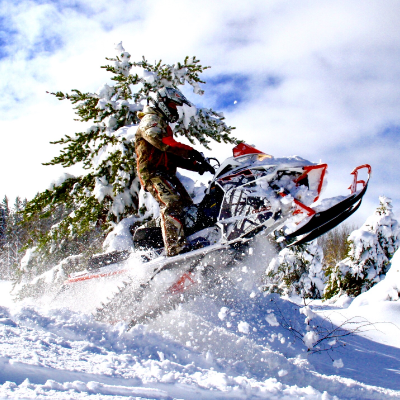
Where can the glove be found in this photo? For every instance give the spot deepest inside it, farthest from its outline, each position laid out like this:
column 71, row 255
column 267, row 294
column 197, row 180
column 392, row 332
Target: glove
column 201, row 162
column 196, row 155
column 208, row 167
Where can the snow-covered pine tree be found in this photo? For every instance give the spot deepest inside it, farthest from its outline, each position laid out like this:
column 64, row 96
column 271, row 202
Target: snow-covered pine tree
column 298, row 271
column 13, row 236
column 4, row 211
column 109, row 190
column 370, row 249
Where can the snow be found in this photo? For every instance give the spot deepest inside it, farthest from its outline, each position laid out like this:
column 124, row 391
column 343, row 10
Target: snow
column 205, row 349
column 338, row 363
column 60, row 354
column 60, row 180
column 5, row 298
column 379, row 306
column 187, row 113
column 244, row 327
column 120, row 238
column 149, row 76
column 27, row 257
column 119, row 47
column 271, row 319
column 223, row 313
column 386, row 290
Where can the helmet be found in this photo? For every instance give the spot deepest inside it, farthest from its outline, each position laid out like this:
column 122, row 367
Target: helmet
column 168, row 99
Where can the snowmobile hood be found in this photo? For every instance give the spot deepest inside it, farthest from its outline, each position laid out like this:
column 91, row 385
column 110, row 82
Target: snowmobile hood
column 148, row 110
column 257, row 160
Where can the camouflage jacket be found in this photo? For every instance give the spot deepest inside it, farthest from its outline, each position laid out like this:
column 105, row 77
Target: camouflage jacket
column 156, row 149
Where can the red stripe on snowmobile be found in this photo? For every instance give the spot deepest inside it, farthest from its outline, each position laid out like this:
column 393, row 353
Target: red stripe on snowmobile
column 87, row 277
column 184, row 282
column 242, row 149
column 298, row 203
column 309, row 168
column 309, row 210
column 353, row 186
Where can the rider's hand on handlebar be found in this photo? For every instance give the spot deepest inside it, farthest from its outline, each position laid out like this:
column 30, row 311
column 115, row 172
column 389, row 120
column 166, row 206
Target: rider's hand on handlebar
column 209, row 168
column 196, row 155
column 203, row 165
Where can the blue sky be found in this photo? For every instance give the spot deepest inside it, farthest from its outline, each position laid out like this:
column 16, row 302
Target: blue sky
column 316, row 79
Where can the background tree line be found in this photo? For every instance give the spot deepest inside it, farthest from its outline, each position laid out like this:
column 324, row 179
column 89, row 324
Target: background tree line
column 12, row 237
column 18, row 235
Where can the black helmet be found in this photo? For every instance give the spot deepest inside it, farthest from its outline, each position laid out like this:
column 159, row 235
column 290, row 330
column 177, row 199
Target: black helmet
column 167, row 100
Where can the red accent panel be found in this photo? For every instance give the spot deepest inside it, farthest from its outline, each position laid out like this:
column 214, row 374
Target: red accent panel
column 184, row 282
column 309, row 168
column 94, row 276
column 300, row 207
column 309, row 210
column 170, row 141
column 163, row 158
column 242, row 149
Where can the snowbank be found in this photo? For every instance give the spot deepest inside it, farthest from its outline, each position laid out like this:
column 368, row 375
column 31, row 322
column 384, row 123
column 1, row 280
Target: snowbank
column 60, row 354
column 386, row 290
column 229, row 344
column 377, row 310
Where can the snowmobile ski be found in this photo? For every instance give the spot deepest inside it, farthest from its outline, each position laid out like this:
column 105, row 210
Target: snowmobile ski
column 324, row 221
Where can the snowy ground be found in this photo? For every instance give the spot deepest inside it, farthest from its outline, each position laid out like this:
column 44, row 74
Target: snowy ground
column 206, row 349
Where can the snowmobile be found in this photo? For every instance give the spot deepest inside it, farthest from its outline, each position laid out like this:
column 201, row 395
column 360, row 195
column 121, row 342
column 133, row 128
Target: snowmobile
column 251, row 194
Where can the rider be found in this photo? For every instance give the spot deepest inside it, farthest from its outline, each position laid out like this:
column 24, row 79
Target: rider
column 158, row 156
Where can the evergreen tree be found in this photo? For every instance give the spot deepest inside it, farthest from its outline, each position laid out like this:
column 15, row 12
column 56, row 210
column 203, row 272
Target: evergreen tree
column 370, row 249
column 297, row 270
column 13, row 236
column 109, row 190
column 4, row 254
column 4, row 211
column 36, row 261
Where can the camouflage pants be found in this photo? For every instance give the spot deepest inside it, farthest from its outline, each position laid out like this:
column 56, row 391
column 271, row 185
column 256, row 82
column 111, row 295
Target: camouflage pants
column 172, row 198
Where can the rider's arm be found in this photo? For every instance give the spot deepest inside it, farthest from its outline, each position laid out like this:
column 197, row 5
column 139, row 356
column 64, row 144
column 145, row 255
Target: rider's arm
column 159, row 134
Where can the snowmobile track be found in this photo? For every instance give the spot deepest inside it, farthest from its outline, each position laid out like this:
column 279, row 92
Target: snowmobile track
column 131, row 297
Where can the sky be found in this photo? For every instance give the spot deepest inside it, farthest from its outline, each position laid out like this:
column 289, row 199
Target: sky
column 318, row 79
